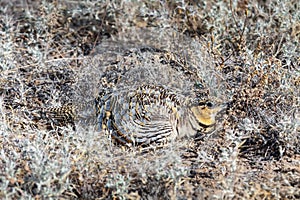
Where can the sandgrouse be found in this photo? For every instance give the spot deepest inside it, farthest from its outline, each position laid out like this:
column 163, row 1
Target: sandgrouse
column 153, row 100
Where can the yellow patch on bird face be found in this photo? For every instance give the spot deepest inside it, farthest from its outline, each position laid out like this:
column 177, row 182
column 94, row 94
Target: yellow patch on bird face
column 205, row 115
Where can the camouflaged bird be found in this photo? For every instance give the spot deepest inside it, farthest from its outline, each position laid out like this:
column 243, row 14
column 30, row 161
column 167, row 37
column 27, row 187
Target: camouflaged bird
column 154, row 96
column 153, row 114
column 50, row 118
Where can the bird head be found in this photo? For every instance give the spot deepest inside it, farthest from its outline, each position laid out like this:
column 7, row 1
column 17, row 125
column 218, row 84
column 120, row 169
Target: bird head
column 205, row 112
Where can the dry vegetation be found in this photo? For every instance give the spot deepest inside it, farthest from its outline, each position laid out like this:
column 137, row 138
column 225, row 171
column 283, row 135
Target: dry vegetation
column 52, row 53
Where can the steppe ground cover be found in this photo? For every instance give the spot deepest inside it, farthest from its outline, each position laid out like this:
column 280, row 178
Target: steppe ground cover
column 51, row 53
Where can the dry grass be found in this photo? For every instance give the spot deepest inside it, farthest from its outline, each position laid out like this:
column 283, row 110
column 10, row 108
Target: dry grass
column 52, row 53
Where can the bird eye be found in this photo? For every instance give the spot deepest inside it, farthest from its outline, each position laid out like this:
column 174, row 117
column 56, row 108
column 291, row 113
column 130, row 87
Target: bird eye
column 201, row 103
column 209, row 104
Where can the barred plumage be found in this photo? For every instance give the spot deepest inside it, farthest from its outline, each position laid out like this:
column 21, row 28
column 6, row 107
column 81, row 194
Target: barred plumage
column 61, row 115
column 54, row 117
column 153, row 114
column 150, row 95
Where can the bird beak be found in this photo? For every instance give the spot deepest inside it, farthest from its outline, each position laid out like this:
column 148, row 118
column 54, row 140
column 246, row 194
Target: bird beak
column 224, row 106
column 221, row 108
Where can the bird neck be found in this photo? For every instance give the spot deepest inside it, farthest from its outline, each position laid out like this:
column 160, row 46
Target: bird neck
column 204, row 116
column 187, row 125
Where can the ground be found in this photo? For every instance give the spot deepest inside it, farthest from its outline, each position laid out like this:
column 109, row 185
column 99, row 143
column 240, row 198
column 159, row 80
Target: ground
column 52, row 54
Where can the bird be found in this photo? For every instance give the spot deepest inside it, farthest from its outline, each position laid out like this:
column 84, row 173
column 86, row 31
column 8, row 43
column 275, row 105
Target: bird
column 51, row 118
column 151, row 95
column 153, row 114
column 61, row 115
